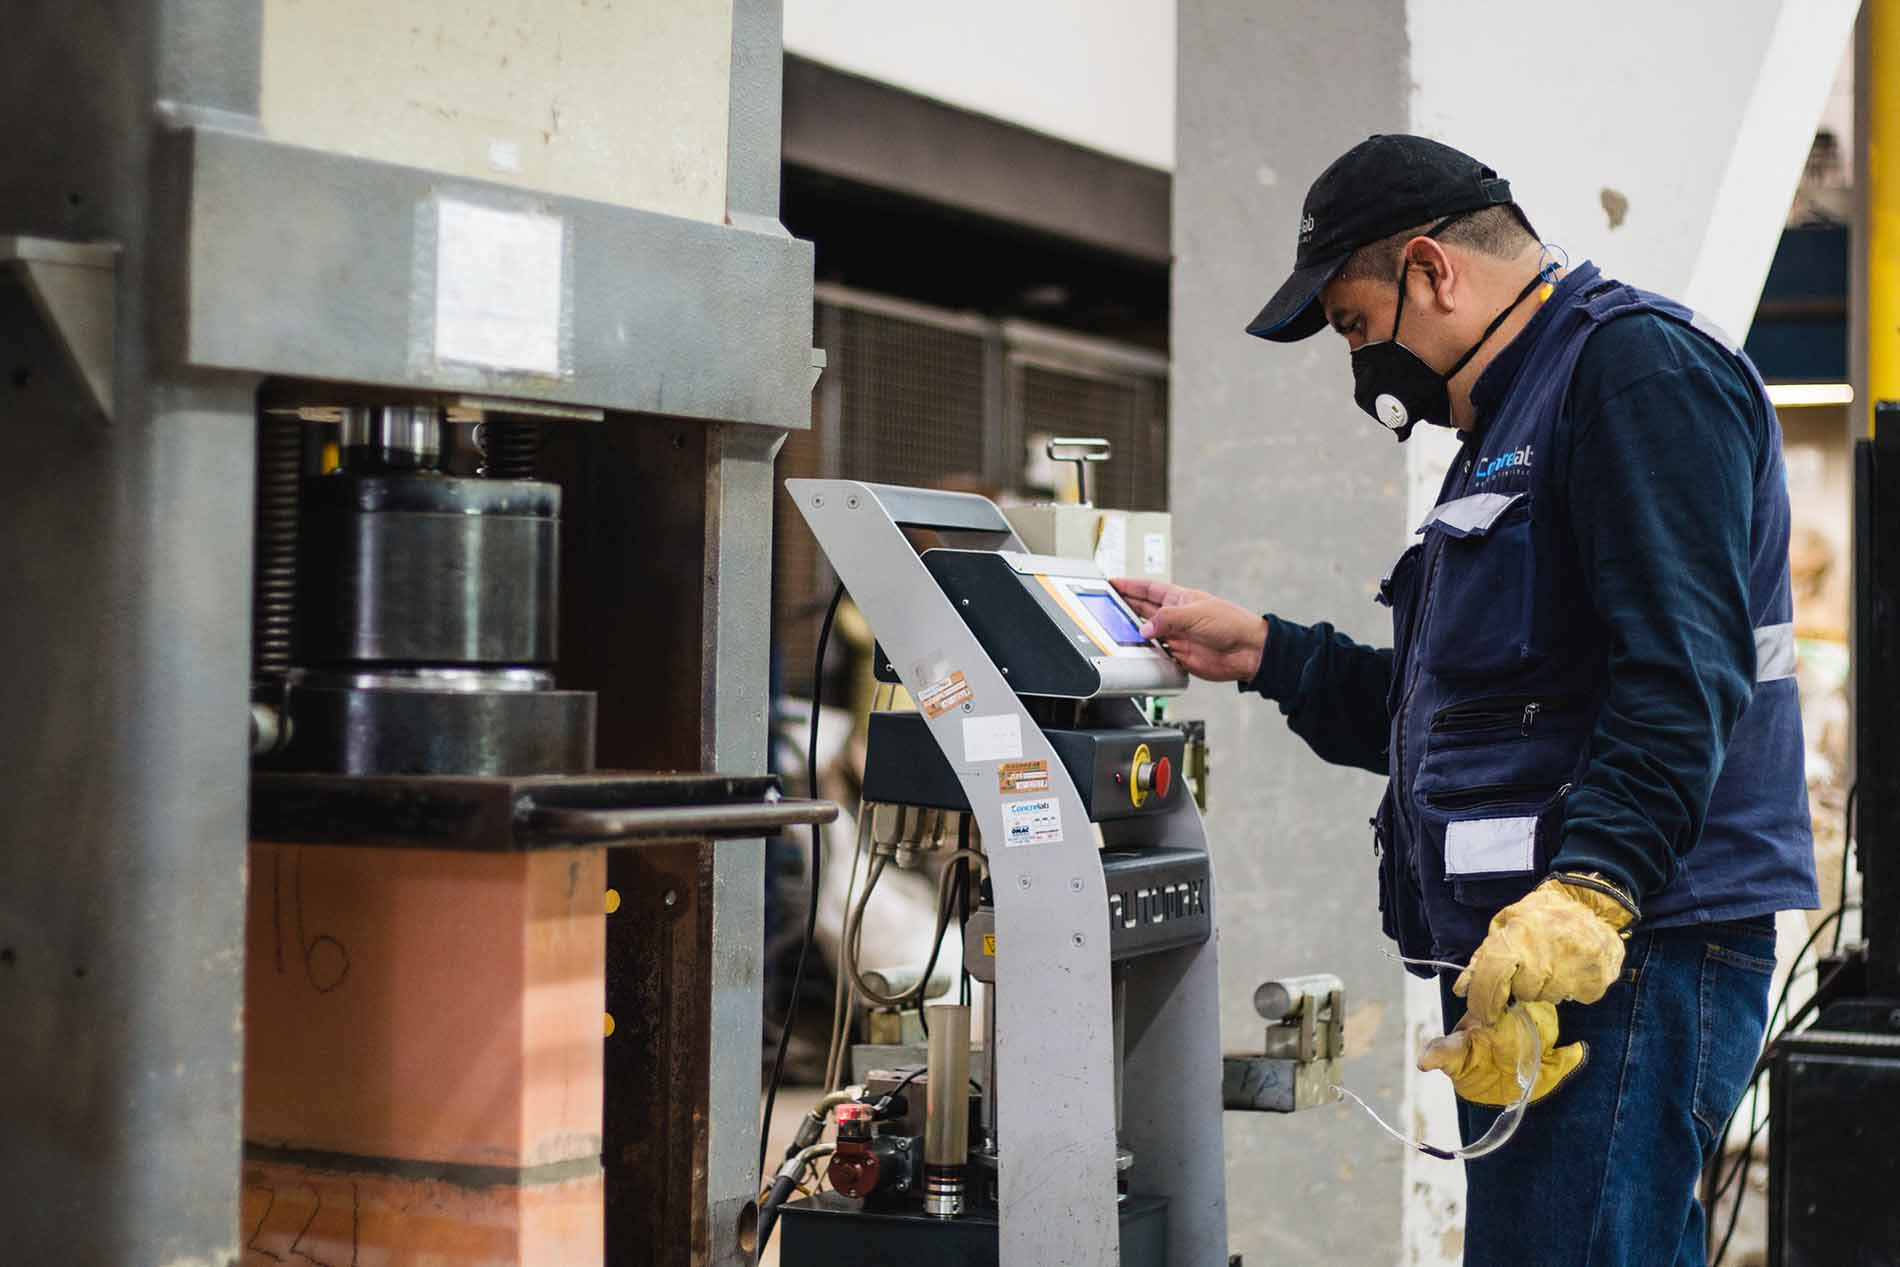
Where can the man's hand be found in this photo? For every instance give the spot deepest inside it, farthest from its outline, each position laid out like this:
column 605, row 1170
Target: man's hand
column 1561, row 942
column 1481, row 1060
column 1212, row 638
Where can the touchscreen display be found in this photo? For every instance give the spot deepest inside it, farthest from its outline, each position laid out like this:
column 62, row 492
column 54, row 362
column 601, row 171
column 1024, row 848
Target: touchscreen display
column 1107, row 609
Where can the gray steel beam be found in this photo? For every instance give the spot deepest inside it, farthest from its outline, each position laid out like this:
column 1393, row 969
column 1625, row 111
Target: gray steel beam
column 736, row 640
column 860, row 130
column 125, row 576
column 736, row 632
column 714, row 322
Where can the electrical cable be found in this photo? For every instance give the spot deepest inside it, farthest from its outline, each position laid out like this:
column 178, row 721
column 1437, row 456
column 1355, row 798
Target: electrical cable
column 844, row 994
column 1847, row 854
column 783, row 1184
column 946, row 897
column 1737, row 1177
column 817, row 861
column 963, row 910
column 854, row 933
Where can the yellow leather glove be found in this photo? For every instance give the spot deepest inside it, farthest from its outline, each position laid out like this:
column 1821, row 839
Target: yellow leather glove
column 1481, row 1060
column 1560, row 942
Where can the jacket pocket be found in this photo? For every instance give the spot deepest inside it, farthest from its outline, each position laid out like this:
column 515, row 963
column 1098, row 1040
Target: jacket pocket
column 1493, row 843
column 1482, row 588
column 1387, row 859
column 1526, row 731
column 1732, row 1002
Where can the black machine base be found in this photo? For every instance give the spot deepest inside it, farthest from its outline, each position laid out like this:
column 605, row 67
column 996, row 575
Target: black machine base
column 1833, row 1171
column 833, row 1231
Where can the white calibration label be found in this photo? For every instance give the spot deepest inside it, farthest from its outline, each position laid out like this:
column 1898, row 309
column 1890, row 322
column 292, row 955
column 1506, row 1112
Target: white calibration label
column 498, row 287
column 1154, row 553
column 1035, row 821
column 997, row 737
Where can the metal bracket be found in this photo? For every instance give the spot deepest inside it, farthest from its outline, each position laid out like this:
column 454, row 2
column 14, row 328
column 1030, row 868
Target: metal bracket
column 74, row 287
column 1300, row 1057
column 1081, row 450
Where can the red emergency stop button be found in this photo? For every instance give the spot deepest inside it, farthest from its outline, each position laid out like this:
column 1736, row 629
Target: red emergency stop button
column 1164, row 778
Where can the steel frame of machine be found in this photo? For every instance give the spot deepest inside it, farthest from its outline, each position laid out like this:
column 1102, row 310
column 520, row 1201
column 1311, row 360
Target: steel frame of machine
column 135, row 153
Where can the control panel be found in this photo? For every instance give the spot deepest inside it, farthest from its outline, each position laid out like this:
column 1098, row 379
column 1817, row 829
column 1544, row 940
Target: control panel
column 1121, row 773
column 1055, row 627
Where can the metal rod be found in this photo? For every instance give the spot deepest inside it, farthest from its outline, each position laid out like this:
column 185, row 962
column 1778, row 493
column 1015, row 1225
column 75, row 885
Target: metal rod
column 405, row 437
column 683, row 821
column 947, row 1119
column 990, row 1117
column 1118, row 995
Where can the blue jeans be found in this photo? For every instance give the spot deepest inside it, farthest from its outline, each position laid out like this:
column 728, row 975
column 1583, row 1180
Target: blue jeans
column 1603, row 1171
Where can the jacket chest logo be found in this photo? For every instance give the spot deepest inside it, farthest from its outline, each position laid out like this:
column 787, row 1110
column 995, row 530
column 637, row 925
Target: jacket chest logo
column 1516, row 460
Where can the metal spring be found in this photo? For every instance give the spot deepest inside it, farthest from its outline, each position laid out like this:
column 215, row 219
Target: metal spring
column 274, row 576
column 509, row 448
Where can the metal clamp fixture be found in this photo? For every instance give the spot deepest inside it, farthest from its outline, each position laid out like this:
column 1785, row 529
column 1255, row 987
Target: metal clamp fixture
column 1305, row 1042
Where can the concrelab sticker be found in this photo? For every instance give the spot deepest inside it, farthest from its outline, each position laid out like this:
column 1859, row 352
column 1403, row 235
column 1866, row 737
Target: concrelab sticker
column 1036, row 821
column 997, row 737
column 943, row 695
column 1014, row 777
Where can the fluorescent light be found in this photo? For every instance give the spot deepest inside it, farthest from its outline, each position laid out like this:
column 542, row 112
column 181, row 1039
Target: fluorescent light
column 1795, row 395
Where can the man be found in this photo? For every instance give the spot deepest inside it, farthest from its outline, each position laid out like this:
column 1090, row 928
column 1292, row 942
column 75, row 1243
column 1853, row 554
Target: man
column 1587, row 713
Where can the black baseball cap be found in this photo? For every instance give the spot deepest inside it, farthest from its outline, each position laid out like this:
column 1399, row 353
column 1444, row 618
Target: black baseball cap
column 1379, row 187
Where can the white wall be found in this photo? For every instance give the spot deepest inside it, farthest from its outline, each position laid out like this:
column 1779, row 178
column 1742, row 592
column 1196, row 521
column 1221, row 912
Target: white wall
column 622, row 103
column 1698, row 115
column 1099, row 73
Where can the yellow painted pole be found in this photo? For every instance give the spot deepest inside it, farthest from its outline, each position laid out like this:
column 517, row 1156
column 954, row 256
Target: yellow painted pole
column 1882, row 70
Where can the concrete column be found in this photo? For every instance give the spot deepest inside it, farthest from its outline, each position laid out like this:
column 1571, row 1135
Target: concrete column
column 1662, row 141
column 1286, row 498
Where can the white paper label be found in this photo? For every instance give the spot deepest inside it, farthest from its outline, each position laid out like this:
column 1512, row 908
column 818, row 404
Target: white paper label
column 504, row 156
column 1154, row 553
column 1037, row 821
column 1111, row 545
column 998, row 737
column 1481, row 846
column 498, row 288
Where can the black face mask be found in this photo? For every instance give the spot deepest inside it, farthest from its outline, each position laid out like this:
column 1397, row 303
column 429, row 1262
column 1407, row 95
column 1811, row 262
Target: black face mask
column 1391, row 383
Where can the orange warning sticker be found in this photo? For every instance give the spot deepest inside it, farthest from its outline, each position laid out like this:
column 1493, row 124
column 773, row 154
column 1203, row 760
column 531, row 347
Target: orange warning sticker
column 943, row 695
column 1022, row 776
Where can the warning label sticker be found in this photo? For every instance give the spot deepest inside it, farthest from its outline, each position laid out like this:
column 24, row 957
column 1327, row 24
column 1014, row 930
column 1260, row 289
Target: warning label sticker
column 1013, row 777
column 943, row 695
column 1037, row 821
